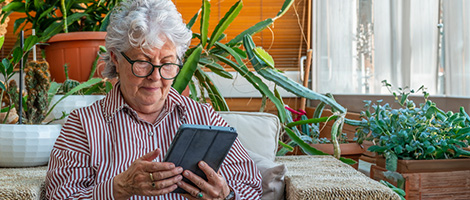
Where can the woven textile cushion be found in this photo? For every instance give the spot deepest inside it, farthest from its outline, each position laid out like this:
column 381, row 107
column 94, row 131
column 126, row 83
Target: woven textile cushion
column 257, row 131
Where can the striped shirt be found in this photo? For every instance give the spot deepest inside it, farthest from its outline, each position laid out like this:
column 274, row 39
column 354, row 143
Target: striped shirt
column 102, row 140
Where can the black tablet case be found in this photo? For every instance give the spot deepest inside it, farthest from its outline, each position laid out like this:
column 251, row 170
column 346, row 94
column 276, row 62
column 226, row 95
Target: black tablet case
column 193, row 143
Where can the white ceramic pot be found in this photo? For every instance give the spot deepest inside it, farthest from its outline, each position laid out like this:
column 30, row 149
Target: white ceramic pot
column 68, row 104
column 26, row 145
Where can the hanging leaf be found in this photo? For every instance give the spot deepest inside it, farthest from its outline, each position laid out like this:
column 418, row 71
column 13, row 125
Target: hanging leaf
column 14, row 6
column 280, row 79
column 225, row 22
column 188, row 70
column 205, row 15
column 261, row 53
column 193, row 20
column 30, row 42
column 258, row 27
column 285, row 7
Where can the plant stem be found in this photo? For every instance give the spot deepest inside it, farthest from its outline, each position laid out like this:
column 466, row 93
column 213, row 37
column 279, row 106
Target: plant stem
column 64, row 13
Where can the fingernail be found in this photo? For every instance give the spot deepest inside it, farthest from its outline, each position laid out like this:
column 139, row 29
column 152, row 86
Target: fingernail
column 202, row 164
column 180, row 169
column 179, row 178
column 186, row 173
column 171, row 166
column 178, row 183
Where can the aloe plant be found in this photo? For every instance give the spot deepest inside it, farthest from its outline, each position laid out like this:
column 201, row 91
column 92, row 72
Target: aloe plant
column 260, row 61
column 210, row 53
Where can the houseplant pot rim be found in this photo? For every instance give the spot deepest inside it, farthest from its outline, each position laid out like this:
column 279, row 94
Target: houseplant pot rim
column 83, row 35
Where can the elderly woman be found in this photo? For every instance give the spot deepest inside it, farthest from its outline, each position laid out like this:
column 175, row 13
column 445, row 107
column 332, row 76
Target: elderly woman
column 114, row 148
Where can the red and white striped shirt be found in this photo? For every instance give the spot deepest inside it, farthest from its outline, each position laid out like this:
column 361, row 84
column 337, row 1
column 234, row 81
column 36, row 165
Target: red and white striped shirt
column 100, row 141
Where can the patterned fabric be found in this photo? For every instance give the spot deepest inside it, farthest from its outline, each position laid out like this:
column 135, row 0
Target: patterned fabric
column 102, row 140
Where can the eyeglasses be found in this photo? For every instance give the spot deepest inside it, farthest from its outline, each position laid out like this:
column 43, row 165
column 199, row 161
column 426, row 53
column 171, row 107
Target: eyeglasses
column 143, row 69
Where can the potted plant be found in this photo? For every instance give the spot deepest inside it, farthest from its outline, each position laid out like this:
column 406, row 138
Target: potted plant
column 26, row 137
column 211, row 54
column 73, row 31
column 422, row 144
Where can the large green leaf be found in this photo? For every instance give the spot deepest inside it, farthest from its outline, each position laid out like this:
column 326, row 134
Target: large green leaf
column 105, row 22
column 193, row 20
column 250, row 31
column 283, row 81
column 250, row 77
column 17, row 23
column 205, row 15
column 46, row 13
column 57, row 27
column 30, row 42
column 188, row 70
column 215, row 67
column 225, row 22
column 2, row 40
column 285, row 7
column 312, row 120
column 14, row 6
column 257, row 83
column 3, row 66
column 213, row 91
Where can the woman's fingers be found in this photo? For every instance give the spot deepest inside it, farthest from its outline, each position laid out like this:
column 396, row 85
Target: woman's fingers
column 164, row 186
column 193, row 191
column 160, row 175
column 151, row 155
column 215, row 187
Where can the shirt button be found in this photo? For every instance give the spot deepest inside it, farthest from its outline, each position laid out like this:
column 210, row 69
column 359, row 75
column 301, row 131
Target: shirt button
column 150, row 133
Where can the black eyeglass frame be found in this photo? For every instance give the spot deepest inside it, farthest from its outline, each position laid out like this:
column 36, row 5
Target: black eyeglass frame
column 153, row 67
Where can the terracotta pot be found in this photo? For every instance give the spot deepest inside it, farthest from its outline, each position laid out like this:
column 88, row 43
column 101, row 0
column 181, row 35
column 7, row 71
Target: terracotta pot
column 430, row 179
column 77, row 49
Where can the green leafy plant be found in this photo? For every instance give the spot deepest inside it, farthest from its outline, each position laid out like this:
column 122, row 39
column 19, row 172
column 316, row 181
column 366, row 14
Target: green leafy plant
column 37, row 101
column 50, row 17
column 211, row 54
column 414, row 132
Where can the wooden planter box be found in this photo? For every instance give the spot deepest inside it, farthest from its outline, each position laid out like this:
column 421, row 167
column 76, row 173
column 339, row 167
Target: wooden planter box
column 430, row 179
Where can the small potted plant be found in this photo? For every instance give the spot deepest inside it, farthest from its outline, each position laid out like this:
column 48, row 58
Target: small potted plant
column 66, row 26
column 26, row 135
column 419, row 142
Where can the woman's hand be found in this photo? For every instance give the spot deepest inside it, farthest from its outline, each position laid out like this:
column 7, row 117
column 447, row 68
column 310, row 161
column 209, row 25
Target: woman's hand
column 214, row 188
column 137, row 179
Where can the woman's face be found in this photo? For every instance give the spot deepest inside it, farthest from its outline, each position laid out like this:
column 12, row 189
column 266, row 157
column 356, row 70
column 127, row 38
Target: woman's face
column 145, row 95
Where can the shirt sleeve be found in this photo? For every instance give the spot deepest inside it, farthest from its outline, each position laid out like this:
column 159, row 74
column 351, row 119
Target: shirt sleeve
column 239, row 170
column 70, row 174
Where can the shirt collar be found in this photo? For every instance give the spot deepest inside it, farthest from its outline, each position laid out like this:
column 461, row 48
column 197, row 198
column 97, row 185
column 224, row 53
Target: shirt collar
column 114, row 102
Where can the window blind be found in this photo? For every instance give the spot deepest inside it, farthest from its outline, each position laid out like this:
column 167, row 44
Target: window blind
column 282, row 40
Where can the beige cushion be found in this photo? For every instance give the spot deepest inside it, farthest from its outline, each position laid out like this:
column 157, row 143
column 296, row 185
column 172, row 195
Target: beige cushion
column 257, row 131
column 272, row 177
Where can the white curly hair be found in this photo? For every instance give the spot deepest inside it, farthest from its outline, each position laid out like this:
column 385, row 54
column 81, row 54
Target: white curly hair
column 144, row 24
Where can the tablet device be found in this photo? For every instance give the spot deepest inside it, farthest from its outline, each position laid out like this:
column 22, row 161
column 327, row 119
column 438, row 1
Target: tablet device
column 193, row 143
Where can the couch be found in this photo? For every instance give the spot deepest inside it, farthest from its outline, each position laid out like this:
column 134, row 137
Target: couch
column 284, row 177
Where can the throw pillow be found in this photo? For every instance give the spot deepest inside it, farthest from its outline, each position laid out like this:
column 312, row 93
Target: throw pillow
column 272, row 176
